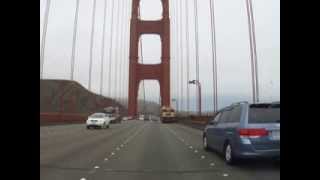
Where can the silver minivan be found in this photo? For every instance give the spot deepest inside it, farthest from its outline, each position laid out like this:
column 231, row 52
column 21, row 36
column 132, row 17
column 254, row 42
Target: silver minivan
column 245, row 131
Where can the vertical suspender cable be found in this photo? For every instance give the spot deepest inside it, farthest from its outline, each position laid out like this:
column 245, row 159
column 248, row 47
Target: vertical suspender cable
column 187, row 52
column 103, row 46
column 172, row 51
column 91, row 41
column 44, row 36
column 254, row 50
column 196, row 41
column 116, row 50
column 182, row 59
column 120, row 52
column 110, row 49
column 123, row 62
column 177, row 54
column 214, row 56
column 74, row 40
column 251, row 54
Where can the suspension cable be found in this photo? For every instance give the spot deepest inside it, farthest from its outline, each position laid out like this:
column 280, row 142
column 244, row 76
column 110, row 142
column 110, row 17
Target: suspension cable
column 103, row 46
column 116, row 51
column 44, row 36
column 74, row 40
column 251, row 54
column 177, row 54
column 187, row 52
column 91, row 41
column 181, row 59
column 110, row 49
column 127, row 39
column 214, row 56
column 118, row 93
column 254, row 51
column 172, row 55
column 196, row 40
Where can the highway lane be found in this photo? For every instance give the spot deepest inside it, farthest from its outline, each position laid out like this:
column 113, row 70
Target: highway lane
column 137, row 150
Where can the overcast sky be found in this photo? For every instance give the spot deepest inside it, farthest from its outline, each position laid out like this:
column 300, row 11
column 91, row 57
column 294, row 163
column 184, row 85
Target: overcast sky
column 233, row 54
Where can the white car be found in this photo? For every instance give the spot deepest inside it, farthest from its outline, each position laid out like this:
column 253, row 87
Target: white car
column 98, row 120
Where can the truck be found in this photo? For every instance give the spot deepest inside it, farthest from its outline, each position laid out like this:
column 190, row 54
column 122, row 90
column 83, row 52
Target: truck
column 113, row 113
column 167, row 114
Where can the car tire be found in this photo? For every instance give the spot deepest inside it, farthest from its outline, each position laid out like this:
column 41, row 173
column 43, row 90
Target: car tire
column 205, row 143
column 229, row 155
column 108, row 126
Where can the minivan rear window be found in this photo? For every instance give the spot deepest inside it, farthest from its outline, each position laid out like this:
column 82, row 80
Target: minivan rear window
column 264, row 114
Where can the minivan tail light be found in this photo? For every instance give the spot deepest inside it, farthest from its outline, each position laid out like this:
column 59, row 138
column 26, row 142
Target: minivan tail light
column 257, row 132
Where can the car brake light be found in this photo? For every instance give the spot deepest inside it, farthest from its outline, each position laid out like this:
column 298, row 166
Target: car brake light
column 253, row 132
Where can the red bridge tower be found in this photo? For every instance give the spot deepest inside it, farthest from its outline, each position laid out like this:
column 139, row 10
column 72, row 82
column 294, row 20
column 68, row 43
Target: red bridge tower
column 139, row 72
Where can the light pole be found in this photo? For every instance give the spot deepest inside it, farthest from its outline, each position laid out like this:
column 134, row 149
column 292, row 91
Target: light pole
column 196, row 82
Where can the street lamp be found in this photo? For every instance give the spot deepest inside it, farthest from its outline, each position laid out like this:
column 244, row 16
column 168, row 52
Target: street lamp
column 196, row 82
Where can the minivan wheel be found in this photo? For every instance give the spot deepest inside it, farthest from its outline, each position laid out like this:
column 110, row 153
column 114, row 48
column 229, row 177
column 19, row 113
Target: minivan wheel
column 205, row 143
column 228, row 155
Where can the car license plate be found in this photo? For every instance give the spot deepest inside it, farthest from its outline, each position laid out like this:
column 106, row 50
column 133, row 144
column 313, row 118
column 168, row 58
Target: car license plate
column 275, row 135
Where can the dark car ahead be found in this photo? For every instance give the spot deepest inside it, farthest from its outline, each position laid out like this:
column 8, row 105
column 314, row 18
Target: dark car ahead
column 245, row 131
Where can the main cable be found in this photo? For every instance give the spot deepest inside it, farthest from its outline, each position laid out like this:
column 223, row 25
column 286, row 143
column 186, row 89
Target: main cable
column 214, row 56
column 44, row 36
column 74, row 40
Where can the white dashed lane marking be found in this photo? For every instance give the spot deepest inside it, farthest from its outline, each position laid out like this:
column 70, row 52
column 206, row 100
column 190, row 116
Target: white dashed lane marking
column 96, row 167
column 211, row 164
column 202, row 157
column 83, row 179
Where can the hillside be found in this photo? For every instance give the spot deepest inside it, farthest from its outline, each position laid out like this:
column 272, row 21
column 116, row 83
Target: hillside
column 64, row 96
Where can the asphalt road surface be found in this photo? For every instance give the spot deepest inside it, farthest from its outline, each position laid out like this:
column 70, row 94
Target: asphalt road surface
column 138, row 150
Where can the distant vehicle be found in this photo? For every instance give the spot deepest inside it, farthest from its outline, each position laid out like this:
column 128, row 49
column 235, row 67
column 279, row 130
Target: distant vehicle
column 167, row 115
column 98, row 120
column 244, row 131
column 113, row 114
column 125, row 118
column 141, row 117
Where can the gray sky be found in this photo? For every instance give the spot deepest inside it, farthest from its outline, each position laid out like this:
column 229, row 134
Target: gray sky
column 233, row 55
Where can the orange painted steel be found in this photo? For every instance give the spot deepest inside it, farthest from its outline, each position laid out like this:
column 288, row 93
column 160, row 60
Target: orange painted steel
column 139, row 72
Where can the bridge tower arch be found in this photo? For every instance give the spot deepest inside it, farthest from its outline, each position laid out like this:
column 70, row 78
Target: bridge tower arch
column 139, row 72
